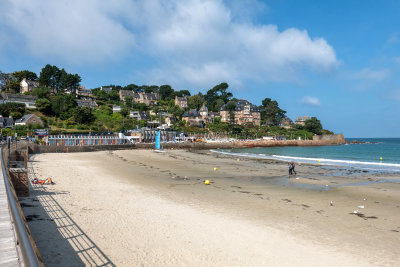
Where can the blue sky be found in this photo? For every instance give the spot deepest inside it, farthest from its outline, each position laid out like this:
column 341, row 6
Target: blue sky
column 336, row 60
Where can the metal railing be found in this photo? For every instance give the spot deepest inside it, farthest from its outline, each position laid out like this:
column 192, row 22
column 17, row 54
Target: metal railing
column 28, row 253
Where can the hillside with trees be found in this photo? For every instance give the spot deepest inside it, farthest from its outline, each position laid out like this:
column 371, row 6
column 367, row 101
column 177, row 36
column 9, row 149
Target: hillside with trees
column 57, row 105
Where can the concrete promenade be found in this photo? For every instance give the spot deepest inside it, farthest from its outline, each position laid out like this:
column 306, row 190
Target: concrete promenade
column 8, row 249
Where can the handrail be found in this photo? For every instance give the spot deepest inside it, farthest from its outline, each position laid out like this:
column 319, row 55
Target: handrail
column 27, row 251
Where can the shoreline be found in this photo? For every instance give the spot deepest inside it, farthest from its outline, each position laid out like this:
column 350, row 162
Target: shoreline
column 246, row 194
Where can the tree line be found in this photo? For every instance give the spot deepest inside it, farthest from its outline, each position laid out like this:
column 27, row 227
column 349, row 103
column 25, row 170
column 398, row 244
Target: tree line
column 57, row 87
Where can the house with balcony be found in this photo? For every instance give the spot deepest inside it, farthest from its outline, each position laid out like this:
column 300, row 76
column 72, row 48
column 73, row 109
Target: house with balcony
column 86, row 103
column 149, row 99
column 139, row 115
column 243, row 113
column 182, row 102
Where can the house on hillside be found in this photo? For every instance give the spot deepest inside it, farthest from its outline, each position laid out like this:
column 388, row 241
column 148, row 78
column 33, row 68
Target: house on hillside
column 139, row 115
column 106, row 89
column 29, row 119
column 205, row 115
column 117, row 109
column 149, row 99
column 84, row 93
column 286, row 123
column 244, row 113
column 28, row 100
column 27, row 85
column 193, row 117
column 86, row 103
column 6, row 122
column 182, row 102
column 301, row 120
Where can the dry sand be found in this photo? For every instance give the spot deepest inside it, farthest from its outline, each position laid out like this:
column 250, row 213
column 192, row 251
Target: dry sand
column 138, row 207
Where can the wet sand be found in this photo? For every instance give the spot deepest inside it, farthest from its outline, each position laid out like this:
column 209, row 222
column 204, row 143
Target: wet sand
column 138, row 207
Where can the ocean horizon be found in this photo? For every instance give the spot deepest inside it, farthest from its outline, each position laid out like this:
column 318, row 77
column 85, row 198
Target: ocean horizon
column 373, row 154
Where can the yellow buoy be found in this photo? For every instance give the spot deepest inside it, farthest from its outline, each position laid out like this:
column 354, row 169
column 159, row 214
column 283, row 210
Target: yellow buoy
column 215, row 169
column 319, row 161
column 380, row 158
column 206, row 182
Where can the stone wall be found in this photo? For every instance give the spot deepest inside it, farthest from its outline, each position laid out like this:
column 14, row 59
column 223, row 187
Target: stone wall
column 17, row 169
column 334, row 138
column 20, row 182
column 35, row 149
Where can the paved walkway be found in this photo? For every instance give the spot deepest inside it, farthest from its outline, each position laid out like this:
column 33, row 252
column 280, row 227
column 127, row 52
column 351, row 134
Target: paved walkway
column 8, row 250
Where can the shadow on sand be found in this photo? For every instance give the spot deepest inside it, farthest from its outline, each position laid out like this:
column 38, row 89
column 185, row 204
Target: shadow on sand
column 60, row 240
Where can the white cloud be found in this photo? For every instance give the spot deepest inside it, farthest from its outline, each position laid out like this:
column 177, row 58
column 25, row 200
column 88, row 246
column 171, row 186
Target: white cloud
column 190, row 41
column 372, row 75
column 312, row 101
column 74, row 31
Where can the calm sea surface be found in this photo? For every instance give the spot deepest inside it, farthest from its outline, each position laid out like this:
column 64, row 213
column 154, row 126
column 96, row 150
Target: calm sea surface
column 360, row 156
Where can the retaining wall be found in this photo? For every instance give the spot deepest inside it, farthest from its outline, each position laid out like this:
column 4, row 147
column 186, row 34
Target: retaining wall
column 35, row 149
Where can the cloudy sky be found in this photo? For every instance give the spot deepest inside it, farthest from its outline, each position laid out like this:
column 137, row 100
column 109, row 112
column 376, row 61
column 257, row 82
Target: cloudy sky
column 336, row 60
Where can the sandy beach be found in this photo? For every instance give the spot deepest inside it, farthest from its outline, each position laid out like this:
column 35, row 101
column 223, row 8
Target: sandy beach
column 141, row 208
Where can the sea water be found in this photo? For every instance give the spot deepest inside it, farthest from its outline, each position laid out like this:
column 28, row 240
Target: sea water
column 374, row 154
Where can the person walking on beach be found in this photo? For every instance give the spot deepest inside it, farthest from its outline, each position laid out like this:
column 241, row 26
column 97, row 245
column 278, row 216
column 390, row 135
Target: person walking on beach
column 291, row 168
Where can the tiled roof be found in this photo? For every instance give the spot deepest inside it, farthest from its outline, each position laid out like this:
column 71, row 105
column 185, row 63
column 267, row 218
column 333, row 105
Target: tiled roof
column 191, row 113
column 24, row 118
column 240, row 104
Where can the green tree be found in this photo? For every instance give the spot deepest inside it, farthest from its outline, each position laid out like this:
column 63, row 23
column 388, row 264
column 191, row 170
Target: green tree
column 4, row 77
column 61, row 105
column 166, row 92
column 196, row 101
column 8, row 108
column 83, row 115
column 270, row 111
column 176, row 111
column 217, row 92
column 29, row 75
column 50, row 76
column 231, row 105
column 182, row 93
column 124, row 112
column 313, row 125
column 69, row 82
column 53, row 77
column 41, row 92
column 16, row 115
column 43, row 105
column 15, row 78
column 132, row 87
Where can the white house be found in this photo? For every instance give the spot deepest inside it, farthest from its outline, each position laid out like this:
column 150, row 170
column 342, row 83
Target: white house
column 27, row 85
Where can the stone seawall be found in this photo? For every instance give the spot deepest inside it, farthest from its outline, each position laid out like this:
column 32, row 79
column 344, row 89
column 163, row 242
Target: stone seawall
column 334, row 138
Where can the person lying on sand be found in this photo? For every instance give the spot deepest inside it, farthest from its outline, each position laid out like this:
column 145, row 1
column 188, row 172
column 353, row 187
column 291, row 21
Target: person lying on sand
column 47, row 181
